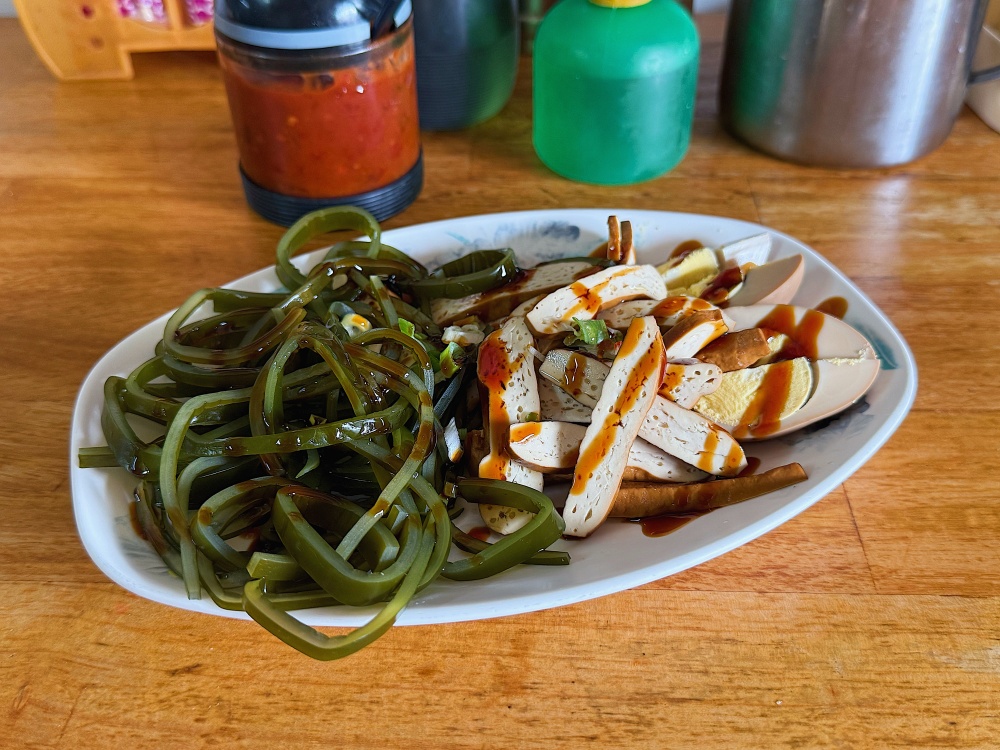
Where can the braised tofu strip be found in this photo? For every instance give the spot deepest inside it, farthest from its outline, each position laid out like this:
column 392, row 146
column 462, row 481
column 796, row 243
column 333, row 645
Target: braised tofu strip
column 630, row 389
column 506, row 372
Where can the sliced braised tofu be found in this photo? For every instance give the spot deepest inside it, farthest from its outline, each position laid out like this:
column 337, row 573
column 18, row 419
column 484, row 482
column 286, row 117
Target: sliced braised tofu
column 498, row 302
column 507, row 375
column 548, row 447
column 668, row 312
column 648, row 463
column 582, row 377
column 692, row 438
column 737, row 350
column 773, row 283
column 620, row 248
column 753, row 402
column 523, row 309
column 553, row 447
column 630, row 388
column 683, row 433
column 585, row 298
column 559, row 406
column 686, row 382
column 696, row 331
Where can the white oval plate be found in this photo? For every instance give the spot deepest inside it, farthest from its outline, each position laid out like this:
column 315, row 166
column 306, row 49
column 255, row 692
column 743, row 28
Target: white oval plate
column 618, row 556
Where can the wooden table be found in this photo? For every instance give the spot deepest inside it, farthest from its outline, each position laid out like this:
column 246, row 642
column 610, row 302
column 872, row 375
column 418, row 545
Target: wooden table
column 871, row 620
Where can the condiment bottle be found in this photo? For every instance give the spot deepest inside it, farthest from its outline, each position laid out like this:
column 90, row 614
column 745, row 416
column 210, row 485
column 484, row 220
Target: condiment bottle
column 467, row 55
column 614, row 89
column 323, row 113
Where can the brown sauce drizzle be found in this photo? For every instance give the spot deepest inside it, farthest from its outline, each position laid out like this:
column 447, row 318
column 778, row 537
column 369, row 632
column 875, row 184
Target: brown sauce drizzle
column 753, row 463
column 803, row 336
column 525, row 430
column 706, row 457
column 686, row 248
column 673, row 376
column 591, row 459
column 495, row 371
column 574, row 374
column 655, row 526
column 735, row 456
column 834, row 306
column 718, row 289
column 669, row 307
column 763, row 415
column 133, row 517
column 588, row 298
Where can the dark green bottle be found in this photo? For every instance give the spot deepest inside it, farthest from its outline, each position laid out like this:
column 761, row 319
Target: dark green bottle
column 614, row 89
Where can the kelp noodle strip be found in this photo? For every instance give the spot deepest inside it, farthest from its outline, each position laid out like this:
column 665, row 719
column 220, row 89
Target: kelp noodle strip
column 272, row 413
column 319, row 646
column 317, row 224
column 240, row 355
column 478, row 271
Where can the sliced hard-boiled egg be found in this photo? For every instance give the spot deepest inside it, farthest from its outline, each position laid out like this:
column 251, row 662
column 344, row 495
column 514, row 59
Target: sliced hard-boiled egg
column 690, row 274
column 754, row 250
column 775, row 282
column 810, row 333
column 355, row 324
column 752, row 402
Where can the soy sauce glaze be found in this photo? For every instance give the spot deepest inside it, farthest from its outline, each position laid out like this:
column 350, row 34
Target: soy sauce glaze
column 133, row 517
column 575, row 373
column 686, row 248
column 655, row 526
column 753, row 463
column 803, row 336
column 762, row 416
column 834, row 306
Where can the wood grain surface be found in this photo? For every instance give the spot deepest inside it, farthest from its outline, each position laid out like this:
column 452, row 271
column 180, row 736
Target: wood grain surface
column 870, row 621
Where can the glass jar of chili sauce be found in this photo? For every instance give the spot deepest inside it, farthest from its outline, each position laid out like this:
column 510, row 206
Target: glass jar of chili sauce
column 324, row 114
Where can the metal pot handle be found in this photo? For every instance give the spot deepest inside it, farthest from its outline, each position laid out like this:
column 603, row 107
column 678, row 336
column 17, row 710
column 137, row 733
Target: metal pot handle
column 982, row 76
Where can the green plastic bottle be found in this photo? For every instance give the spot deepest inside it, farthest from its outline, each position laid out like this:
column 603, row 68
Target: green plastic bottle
column 614, row 89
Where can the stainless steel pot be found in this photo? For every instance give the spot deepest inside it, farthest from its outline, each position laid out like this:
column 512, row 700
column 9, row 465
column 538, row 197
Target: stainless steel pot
column 848, row 83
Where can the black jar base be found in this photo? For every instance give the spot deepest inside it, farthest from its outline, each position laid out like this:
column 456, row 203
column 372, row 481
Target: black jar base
column 382, row 203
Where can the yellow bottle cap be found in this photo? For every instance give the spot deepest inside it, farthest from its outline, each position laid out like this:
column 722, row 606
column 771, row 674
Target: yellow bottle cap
column 620, row 3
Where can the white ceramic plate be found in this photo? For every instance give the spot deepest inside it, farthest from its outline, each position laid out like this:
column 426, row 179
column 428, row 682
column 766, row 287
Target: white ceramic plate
column 618, row 556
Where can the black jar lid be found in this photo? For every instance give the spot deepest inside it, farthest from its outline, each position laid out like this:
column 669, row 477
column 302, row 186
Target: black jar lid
column 301, row 24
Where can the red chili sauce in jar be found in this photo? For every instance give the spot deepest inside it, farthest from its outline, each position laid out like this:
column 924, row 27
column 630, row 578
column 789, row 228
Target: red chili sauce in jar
column 344, row 123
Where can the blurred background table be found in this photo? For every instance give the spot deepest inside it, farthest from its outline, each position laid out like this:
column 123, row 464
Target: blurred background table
column 871, row 620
